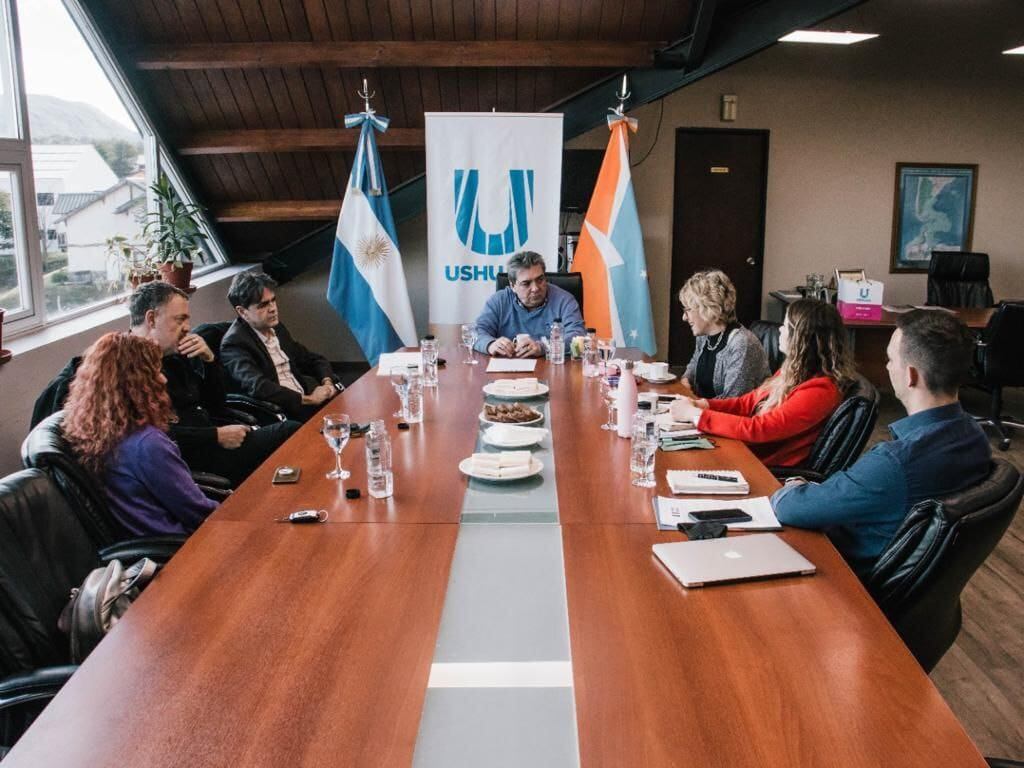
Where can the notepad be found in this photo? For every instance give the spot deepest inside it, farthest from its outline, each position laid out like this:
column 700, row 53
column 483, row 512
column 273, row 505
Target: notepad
column 669, row 512
column 510, row 365
column 705, row 481
column 667, row 427
column 400, row 360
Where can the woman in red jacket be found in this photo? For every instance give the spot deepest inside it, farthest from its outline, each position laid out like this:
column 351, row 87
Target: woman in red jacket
column 781, row 419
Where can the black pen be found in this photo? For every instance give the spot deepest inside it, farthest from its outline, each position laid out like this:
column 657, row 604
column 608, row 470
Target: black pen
column 723, row 478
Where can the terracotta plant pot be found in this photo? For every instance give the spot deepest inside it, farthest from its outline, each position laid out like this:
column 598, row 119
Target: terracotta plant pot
column 178, row 277
column 137, row 280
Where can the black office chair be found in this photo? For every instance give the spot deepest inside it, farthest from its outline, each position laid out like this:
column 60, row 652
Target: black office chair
column 767, row 333
column 568, row 281
column 44, row 553
column 998, row 363
column 959, row 279
column 842, row 438
column 918, row 579
column 47, row 449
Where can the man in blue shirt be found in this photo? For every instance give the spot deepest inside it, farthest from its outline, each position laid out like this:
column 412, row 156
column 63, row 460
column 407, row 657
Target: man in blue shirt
column 515, row 318
column 936, row 450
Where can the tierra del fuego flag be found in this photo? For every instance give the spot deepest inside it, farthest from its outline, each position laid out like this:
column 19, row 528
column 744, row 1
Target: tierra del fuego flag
column 367, row 284
column 610, row 254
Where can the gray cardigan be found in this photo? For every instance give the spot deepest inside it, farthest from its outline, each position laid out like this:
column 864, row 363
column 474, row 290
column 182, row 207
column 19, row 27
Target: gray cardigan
column 739, row 367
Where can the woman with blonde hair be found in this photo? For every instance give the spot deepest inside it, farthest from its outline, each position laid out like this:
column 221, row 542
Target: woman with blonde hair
column 729, row 360
column 781, row 419
column 116, row 419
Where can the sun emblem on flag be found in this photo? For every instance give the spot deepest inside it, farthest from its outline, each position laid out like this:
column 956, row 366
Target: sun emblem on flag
column 373, row 251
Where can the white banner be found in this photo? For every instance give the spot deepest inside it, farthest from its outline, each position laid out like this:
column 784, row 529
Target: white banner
column 493, row 189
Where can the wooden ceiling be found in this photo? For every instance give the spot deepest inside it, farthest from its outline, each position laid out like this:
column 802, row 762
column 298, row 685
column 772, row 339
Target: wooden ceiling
column 251, row 94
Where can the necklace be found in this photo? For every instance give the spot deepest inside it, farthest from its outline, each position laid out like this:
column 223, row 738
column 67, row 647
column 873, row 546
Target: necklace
column 713, row 347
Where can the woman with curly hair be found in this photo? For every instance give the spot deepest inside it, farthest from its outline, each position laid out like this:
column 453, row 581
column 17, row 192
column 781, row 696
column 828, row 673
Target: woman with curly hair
column 116, row 420
column 781, row 419
column 729, row 361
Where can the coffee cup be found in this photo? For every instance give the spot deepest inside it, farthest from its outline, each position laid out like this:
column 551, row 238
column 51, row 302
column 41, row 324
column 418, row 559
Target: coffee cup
column 658, row 370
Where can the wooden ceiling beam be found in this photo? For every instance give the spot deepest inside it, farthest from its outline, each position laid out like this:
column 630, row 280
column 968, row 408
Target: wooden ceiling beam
column 293, row 140
column 277, row 210
column 576, row 54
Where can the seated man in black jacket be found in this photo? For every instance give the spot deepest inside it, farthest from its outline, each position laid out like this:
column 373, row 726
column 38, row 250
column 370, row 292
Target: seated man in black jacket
column 264, row 360
column 159, row 312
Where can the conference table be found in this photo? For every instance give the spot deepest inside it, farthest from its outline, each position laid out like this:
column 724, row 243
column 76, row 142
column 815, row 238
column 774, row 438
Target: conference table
column 466, row 623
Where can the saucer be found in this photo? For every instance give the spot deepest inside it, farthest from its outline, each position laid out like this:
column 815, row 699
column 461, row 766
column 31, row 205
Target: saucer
column 665, row 380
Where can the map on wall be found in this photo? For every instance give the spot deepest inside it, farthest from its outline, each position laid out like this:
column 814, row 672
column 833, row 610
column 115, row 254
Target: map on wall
column 933, row 211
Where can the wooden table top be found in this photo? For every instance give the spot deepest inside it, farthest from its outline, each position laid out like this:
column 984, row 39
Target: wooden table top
column 972, row 317
column 268, row 644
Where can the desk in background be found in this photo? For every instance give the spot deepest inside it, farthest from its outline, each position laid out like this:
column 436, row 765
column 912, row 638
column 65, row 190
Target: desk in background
column 266, row 644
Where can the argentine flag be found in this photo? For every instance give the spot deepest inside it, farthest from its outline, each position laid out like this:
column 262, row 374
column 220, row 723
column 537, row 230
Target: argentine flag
column 367, row 283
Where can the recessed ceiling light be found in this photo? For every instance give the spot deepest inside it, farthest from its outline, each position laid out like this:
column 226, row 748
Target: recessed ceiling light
column 829, row 38
column 1018, row 51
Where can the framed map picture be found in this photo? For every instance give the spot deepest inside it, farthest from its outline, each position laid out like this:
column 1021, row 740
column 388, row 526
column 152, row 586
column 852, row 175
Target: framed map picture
column 933, row 210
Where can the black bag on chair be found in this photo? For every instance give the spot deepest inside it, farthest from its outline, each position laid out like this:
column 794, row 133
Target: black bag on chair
column 103, row 598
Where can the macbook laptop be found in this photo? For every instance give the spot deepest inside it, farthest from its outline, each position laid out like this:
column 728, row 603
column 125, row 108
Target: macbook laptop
column 734, row 558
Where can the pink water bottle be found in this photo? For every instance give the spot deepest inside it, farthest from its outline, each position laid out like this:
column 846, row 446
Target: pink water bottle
column 625, row 402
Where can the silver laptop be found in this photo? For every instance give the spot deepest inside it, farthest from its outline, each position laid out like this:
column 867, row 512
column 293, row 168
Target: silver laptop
column 734, row 558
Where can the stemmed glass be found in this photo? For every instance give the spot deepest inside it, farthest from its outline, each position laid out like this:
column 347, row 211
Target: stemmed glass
column 469, row 337
column 400, row 382
column 610, row 393
column 336, row 431
column 606, row 350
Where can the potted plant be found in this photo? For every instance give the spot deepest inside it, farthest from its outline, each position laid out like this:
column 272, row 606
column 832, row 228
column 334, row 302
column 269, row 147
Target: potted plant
column 173, row 234
column 136, row 263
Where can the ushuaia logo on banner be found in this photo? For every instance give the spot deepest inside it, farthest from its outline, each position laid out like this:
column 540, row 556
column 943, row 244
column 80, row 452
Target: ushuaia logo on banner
column 467, row 213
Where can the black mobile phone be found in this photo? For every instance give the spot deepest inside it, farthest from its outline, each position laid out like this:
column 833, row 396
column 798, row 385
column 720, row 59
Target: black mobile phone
column 721, row 516
column 284, row 475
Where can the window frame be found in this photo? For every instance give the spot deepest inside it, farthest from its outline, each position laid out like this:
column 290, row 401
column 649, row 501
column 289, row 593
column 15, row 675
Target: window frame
column 17, row 154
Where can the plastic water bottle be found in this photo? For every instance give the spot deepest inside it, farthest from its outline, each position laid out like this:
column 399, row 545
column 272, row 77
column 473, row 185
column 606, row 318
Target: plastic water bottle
column 557, row 339
column 428, row 350
column 590, row 367
column 414, row 400
column 378, row 461
column 643, row 448
column 626, row 400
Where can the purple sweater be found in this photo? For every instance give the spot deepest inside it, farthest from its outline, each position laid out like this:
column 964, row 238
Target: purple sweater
column 149, row 487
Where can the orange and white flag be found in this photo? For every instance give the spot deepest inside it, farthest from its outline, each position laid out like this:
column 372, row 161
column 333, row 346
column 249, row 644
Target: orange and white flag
column 610, row 253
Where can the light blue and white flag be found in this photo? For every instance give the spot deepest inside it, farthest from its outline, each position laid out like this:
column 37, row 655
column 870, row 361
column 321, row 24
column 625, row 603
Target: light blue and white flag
column 367, row 283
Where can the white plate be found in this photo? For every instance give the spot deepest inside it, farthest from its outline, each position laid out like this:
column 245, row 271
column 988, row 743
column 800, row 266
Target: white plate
column 465, row 465
column 539, row 419
column 524, row 442
column 666, row 380
column 542, row 389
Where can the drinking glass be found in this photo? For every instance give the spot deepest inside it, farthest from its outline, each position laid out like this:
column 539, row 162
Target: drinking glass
column 641, row 462
column 400, row 382
column 336, row 432
column 469, row 336
column 606, row 351
column 610, row 393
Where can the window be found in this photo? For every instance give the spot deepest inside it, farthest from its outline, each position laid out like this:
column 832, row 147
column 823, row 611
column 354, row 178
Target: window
column 85, row 167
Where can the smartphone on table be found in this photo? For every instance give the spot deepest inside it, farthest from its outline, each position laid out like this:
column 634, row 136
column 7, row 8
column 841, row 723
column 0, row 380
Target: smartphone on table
column 721, row 516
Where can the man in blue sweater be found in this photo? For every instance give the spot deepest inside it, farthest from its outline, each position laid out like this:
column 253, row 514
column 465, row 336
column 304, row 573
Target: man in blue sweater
column 935, row 451
column 515, row 318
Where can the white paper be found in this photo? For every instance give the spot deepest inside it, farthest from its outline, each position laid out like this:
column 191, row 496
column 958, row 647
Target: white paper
column 510, row 365
column 401, row 360
column 672, row 511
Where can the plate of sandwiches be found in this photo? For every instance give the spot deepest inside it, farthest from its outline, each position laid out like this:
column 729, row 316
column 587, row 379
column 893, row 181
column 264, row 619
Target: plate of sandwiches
column 510, row 413
column 516, row 389
column 513, row 436
column 501, row 467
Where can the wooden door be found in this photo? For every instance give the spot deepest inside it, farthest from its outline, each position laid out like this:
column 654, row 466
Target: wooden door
column 721, row 178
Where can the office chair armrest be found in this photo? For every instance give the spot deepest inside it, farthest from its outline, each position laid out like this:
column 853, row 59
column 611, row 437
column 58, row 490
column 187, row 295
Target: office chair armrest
column 158, row 548
column 37, row 685
column 262, row 411
column 211, row 480
column 999, row 762
column 786, row 473
column 235, row 416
